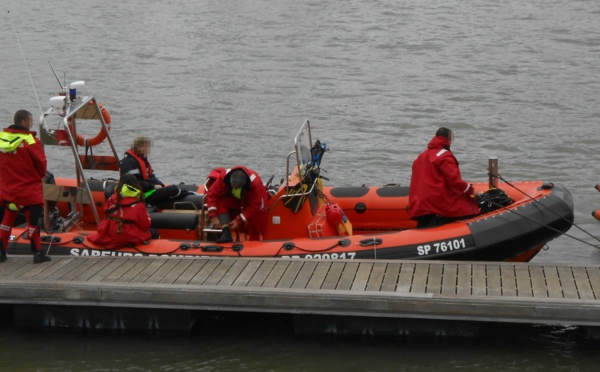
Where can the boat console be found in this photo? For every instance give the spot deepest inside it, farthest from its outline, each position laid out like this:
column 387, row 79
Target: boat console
column 299, row 207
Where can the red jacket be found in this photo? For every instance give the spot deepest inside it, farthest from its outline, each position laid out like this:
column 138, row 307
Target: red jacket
column 132, row 218
column 436, row 186
column 254, row 194
column 22, row 170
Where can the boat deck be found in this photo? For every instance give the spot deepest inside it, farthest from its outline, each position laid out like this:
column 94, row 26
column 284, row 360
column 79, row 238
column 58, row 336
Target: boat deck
column 471, row 291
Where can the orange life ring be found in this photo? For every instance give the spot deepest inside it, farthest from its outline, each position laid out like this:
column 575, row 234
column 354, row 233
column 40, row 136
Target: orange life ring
column 101, row 136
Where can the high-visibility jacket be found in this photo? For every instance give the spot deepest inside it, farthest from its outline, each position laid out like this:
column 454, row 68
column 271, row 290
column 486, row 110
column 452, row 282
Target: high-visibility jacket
column 127, row 223
column 253, row 199
column 22, row 167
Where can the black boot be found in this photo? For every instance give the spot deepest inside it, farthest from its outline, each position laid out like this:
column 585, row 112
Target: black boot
column 40, row 257
column 2, row 255
column 226, row 237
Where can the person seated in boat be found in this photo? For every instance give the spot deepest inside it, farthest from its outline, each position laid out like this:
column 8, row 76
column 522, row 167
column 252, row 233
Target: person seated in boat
column 136, row 163
column 238, row 199
column 438, row 194
column 127, row 221
column 22, row 170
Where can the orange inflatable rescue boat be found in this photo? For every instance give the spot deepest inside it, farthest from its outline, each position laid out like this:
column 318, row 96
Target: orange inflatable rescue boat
column 306, row 219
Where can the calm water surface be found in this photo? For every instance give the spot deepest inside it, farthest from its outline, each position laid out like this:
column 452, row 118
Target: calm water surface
column 221, row 83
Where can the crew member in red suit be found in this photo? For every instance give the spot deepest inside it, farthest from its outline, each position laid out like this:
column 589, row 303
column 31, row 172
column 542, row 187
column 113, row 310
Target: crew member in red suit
column 237, row 199
column 438, row 194
column 127, row 221
column 135, row 162
column 22, row 168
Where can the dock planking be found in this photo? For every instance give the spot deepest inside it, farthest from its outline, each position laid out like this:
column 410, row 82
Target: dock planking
column 472, row 291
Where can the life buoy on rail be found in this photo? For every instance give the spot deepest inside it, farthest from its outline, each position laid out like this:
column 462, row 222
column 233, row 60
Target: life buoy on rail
column 101, row 136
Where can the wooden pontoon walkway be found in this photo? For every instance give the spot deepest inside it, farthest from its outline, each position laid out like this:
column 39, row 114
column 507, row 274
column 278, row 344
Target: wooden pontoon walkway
column 471, row 291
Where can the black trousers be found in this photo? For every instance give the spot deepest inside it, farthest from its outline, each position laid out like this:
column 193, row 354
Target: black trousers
column 166, row 193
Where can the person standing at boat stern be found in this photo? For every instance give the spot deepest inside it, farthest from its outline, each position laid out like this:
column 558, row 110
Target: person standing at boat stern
column 136, row 163
column 438, row 194
column 127, row 221
column 22, row 169
column 239, row 196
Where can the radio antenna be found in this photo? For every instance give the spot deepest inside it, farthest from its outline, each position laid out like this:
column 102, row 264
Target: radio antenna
column 56, row 76
column 26, row 67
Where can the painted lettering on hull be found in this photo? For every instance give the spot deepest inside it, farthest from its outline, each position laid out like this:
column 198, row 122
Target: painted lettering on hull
column 325, row 256
column 81, row 252
column 99, row 253
column 441, row 246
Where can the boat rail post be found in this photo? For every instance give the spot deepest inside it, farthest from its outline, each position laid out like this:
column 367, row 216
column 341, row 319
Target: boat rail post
column 493, row 172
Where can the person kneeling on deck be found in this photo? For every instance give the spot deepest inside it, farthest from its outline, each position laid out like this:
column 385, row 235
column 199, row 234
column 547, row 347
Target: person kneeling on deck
column 22, row 169
column 136, row 163
column 438, row 194
column 127, row 221
column 239, row 196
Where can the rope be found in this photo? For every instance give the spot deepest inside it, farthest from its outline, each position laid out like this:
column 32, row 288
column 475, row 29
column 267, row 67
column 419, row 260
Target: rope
column 553, row 212
column 543, row 225
column 318, row 250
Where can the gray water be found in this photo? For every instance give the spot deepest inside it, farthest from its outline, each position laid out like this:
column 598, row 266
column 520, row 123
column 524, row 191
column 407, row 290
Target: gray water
column 221, row 83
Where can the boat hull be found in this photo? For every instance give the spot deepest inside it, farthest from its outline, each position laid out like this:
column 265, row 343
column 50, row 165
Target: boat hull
column 515, row 233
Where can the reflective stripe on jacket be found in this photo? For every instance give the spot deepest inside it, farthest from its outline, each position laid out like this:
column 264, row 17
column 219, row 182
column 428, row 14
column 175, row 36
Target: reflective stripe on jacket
column 253, row 199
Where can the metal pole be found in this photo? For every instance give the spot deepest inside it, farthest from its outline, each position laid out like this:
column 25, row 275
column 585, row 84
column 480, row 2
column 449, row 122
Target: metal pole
column 493, row 171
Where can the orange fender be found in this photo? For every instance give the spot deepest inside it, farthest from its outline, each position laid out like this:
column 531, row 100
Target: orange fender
column 596, row 214
column 597, row 187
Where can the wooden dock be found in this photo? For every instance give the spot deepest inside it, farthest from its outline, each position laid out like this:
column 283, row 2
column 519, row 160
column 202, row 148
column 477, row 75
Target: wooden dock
column 57, row 293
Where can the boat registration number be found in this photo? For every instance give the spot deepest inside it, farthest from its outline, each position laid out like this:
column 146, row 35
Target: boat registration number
column 326, row 256
column 441, row 247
